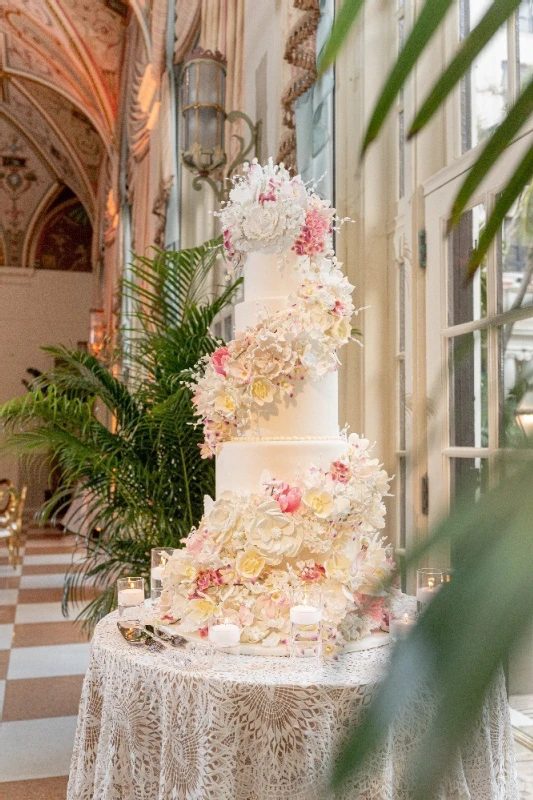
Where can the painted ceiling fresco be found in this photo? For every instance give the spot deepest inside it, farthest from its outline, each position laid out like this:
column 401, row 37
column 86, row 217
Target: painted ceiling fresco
column 25, row 182
column 59, row 75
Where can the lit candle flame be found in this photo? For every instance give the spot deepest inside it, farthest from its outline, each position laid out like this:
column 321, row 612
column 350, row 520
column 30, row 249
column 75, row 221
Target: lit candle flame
column 431, row 583
column 406, row 618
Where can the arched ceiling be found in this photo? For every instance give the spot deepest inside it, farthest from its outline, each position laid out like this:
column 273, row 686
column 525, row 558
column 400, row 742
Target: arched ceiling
column 59, row 76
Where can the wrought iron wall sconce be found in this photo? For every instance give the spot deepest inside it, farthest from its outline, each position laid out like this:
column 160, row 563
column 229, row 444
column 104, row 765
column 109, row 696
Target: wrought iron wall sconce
column 203, row 88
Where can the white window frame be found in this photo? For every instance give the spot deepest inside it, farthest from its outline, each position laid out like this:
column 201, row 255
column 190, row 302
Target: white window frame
column 439, row 193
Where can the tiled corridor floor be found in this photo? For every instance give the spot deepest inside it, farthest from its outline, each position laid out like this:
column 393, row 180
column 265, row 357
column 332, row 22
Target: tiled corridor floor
column 43, row 658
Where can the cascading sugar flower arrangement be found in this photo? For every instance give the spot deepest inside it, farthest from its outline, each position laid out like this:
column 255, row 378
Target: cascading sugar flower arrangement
column 297, row 503
column 252, row 549
column 263, row 363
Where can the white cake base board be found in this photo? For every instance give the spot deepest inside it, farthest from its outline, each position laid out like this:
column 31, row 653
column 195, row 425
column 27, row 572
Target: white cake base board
column 377, row 639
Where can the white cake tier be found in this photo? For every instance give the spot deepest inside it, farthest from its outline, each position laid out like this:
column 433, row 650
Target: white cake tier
column 240, row 464
column 313, row 410
column 269, row 278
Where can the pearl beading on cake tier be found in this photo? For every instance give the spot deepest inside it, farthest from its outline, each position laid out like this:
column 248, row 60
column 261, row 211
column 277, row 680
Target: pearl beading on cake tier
column 284, row 439
column 241, row 464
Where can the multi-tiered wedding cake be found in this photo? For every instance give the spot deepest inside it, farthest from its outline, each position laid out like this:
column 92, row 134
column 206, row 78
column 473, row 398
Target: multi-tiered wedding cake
column 297, row 501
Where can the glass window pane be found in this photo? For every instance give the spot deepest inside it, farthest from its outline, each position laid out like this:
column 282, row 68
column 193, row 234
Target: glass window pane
column 468, row 390
column 401, row 155
column 516, row 380
column 402, row 497
column 469, row 475
column 467, row 299
column 402, row 404
column 515, row 255
column 469, row 480
column 485, row 89
column 228, row 328
column 525, row 41
column 401, row 297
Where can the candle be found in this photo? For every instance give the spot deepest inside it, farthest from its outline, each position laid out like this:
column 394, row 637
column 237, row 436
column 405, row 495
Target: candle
column 157, row 573
column 305, row 615
column 226, row 634
column 426, row 593
column 130, row 597
column 400, row 628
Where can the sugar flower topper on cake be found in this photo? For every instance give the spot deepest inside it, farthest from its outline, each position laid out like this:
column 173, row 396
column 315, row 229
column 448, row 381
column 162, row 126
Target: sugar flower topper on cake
column 271, row 211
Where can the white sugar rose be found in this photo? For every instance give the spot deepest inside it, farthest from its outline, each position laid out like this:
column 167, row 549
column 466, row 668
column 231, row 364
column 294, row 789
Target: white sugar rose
column 225, row 404
column 274, row 533
column 262, row 391
column 320, row 502
column 181, row 567
column 373, row 570
column 263, row 223
column 198, row 612
column 223, row 516
column 249, row 564
column 338, row 567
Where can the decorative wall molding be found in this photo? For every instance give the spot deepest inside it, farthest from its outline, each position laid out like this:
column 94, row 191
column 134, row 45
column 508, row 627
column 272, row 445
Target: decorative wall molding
column 300, row 53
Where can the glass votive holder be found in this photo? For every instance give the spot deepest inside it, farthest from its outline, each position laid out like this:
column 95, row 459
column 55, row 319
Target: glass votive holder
column 130, row 597
column 393, row 565
column 224, row 632
column 428, row 583
column 447, row 575
column 401, row 626
column 306, row 622
column 160, row 556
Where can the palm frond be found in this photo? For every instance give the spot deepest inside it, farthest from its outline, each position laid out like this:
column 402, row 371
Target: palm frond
column 460, row 640
column 142, row 483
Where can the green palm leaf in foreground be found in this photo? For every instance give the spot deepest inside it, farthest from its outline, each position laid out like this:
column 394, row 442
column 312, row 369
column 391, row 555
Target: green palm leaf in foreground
column 425, row 26
column 461, row 639
column 143, row 482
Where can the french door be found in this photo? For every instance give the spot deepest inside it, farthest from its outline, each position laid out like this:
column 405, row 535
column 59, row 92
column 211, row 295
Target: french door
column 479, row 355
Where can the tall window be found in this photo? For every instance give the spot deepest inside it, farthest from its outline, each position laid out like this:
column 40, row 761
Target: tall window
column 400, row 21
column 401, row 474
column 496, row 77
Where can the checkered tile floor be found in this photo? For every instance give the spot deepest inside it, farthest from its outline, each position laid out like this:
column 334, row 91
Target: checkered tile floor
column 43, row 658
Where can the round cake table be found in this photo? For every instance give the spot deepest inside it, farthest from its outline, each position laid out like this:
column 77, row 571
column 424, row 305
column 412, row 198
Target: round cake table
column 256, row 728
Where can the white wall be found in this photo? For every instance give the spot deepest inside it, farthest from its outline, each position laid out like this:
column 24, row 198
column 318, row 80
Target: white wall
column 37, row 308
column 264, row 44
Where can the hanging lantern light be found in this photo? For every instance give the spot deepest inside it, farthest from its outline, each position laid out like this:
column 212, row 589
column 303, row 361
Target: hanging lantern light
column 202, row 103
column 97, row 331
column 203, row 117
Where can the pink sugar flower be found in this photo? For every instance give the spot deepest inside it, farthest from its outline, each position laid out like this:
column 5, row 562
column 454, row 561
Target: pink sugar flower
column 313, row 573
column 219, row 359
column 227, row 244
column 340, row 472
column 203, row 581
column 311, row 238
column 371, row 606
column 289, row 499
column 339, row 309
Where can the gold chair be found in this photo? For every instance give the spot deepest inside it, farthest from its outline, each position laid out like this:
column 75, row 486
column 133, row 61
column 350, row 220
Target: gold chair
column 11, row 510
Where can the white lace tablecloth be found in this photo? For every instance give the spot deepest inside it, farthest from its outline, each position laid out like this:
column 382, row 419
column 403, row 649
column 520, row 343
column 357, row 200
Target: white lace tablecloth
column 256, row 728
